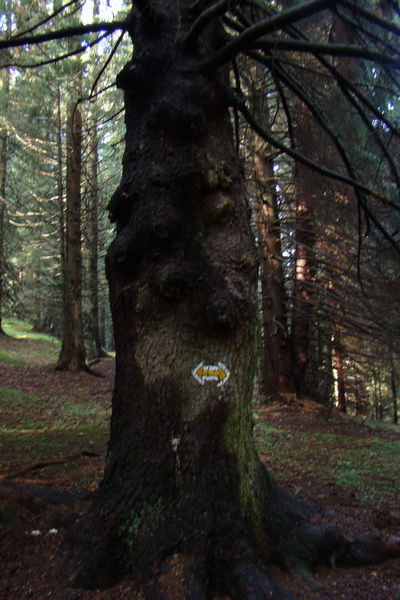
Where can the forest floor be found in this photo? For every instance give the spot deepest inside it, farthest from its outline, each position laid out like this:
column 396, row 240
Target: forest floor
column 53, row 437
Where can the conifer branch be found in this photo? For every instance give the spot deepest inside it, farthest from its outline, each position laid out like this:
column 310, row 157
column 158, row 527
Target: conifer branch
column 262, row 28
column 213, row 12
column 49, row 18
column 56, row 59
column 67, row 32
column 308, row 162
column 371, row 17
column 346, row 50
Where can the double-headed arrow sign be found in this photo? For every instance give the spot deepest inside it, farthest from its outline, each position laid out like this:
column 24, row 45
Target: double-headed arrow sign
column 219, row 373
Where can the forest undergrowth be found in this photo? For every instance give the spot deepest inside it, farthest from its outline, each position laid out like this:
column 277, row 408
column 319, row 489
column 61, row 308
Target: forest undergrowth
column 53, row 440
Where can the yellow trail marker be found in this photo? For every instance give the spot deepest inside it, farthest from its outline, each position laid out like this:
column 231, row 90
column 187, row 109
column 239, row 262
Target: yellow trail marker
column 218, row 373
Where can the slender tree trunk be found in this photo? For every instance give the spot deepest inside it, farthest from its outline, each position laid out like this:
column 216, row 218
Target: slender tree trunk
column 393, row 387
column 93, row 247
column 308, row 186
column 93, row 326
column 277, row 359
column 376, row 403
column 61, row 215
column 380, row 394
column 72, row 355
column 357, row 396
column 3, row 184
column 303, row 293
column 338, row 366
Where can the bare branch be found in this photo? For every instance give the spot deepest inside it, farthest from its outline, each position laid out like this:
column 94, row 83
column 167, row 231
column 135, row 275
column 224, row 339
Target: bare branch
column 104, row 67
column 308, row 162
column 56, row 59
column 68, row 32
column 347, row 85
column 330, row 49
column 262, row 28
column 372, row 18
column 318, row 115
column 213, row 12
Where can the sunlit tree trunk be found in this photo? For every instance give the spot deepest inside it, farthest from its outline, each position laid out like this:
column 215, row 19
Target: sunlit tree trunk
column 339, row 368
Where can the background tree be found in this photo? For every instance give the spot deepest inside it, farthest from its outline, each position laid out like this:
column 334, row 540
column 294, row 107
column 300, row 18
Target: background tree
column 35, row 219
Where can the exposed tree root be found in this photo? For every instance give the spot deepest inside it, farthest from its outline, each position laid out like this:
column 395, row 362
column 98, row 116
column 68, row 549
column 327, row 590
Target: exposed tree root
column 368, row 549
column 47, row 463
column 65, row 365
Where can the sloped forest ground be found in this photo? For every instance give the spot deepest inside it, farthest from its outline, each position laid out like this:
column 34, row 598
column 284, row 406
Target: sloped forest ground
column 53, row 438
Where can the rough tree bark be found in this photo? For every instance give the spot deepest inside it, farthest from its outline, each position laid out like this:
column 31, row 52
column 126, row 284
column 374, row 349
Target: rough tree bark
column 185, row 502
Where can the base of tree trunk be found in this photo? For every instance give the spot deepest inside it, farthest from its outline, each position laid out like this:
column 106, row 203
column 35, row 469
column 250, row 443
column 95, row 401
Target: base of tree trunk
column 199, row 547
column 73, row 366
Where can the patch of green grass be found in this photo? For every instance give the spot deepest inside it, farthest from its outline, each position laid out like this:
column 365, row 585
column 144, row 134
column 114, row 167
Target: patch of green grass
column 23, row 346
column 9, row 396
column 31, row 430
column 23, row 330
column 372, row 467
column 369, row 464
column 8, row 359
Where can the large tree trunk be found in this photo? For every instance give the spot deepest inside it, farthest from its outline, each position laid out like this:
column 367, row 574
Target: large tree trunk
column 185, row 502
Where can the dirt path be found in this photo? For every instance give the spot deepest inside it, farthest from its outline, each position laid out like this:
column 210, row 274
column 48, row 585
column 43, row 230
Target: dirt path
column 348, row 469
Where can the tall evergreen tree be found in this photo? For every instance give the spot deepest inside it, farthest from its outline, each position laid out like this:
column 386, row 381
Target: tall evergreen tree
column 184, row 491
